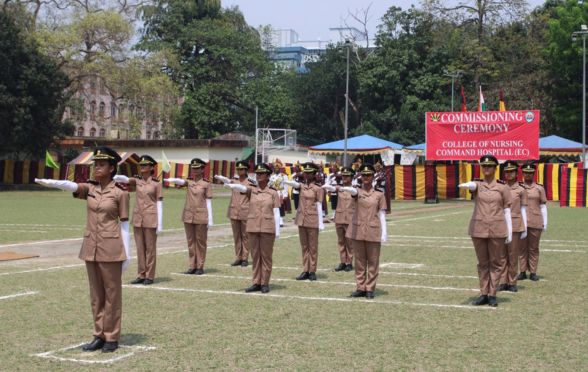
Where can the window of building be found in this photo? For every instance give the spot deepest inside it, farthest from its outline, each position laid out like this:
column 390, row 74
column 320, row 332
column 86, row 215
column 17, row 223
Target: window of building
column 80, row 132
column 102, row 132
column 101, row 109
column 155, row 135
column 148, row 135
column 93, row 132
column 112, row 110
column 92, row 109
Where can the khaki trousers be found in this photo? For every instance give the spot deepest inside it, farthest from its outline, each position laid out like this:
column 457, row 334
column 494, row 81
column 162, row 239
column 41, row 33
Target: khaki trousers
column 146, row 241
column 491, row 254
column 261, row 246
column 511, row 261
column 529, row 251
column 106, row 298
column 344, row 245
column 240, row 236
column 309, row 245
column 196, row 234
column 367, row 264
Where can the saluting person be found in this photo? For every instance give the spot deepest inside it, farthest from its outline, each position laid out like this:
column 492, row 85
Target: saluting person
column 518, row 213
column 367, row 231
column 147, row 217
column 263, row 225
column 197, row 215
column 343, row 216
column 105, row 248
column 490, row 228
column 537, row 223
column 309, row 218
column 238, row 211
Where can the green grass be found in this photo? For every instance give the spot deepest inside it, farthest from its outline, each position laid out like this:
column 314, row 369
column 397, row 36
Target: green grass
column 543, row 327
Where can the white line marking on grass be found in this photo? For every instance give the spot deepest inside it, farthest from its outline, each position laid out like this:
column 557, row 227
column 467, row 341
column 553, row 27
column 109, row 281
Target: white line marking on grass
column 332, row 282
column 417, row 245
column 134, row 350
column 44, row 269
column 424, row 217
column 561, row 250
column 20, row 294
column 311, row 298
column 40, row 242
column 399, row 265
column 468, row 238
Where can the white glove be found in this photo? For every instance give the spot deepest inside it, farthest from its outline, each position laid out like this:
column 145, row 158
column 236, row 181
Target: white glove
column 351, row 190
column 329, row 188
column 472, row 186
column 175, row 181
column 223, row 179
column 382, row 216
column 209, row 208
column 543, row 208
column 319, row 210
column 126, row 238
column 294, row 184
column 236, row 186
column 508, row 218
column 159, row 217
column 524, row 215
column 277, row 221
column 58, row 184
column 121, row 178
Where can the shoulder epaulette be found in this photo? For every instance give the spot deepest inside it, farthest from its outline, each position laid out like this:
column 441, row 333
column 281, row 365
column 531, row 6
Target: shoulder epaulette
column 501, row 182
column 522, row 184
column 137, row 176
column 378, row 190
column 273, row 188
column 121, row 186
column 205, row 180
column 478, row 179
column 252, row 182
column 93, row 182
column 539, row 184
column 155, row 179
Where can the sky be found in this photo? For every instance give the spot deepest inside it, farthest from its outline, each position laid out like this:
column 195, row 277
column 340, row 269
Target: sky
column 311, row 19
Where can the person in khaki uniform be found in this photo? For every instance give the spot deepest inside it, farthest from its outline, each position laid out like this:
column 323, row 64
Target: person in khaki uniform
column 147, row 217
column 518, row 213
column 105, row 247
column 343, row 216
column 537, row 223
column 490, row 228
column 263, row 225
column 309, row 218
column 238, row 211
column 367, row 231
column 197, row 215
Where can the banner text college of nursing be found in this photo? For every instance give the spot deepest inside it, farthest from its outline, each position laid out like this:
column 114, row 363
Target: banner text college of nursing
column 508, row 135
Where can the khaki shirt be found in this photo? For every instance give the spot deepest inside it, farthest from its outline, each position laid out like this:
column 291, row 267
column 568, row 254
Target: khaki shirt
column 106, row 207
column 239, row 204
column 261, row 210
column 306, row 215
column 365, row 223
column 195, row 210
column 536, row 196
column 488, row 218
column 345, row 208
column 518, row 197
column 147, row 194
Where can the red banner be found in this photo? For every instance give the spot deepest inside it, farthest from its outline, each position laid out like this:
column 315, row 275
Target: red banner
column 512, row 135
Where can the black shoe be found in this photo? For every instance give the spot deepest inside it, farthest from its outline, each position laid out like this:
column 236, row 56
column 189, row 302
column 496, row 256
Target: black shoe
column 369, row 295
column 502, row 287
column 148, row 282
column 236, row 263
column 190, row 271
column 534, row 277
column 492, row 301
column 109, row 347
column 264, row 288
column 482, row 300
column 522, row 276
column 96, row 344
column 138, row 281
column 312, row 276
column 244, row 263
column 358, row 294
column 253, row 288
column 302, row 276
column 341, row 267
column 513, row 288
column 199, row 271
column 348, row 267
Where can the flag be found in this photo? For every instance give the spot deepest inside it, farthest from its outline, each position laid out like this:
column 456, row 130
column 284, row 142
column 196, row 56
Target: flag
column 49, row 162
column 165, row 165
column 481, row 103
column 464, row 108
column 502, row 105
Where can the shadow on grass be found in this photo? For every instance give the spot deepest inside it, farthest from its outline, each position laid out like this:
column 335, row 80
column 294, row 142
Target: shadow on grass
column 132, row 339
column 162, row 279
column 501, row 300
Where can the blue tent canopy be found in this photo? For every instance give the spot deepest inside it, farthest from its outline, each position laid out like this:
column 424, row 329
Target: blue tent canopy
column 557, row 142
column 364, row 144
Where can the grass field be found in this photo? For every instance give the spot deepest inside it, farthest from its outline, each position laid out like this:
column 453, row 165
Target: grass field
column 420, row 319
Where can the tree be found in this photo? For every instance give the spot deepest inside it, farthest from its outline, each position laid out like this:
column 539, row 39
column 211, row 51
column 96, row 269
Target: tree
column 31, row 94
